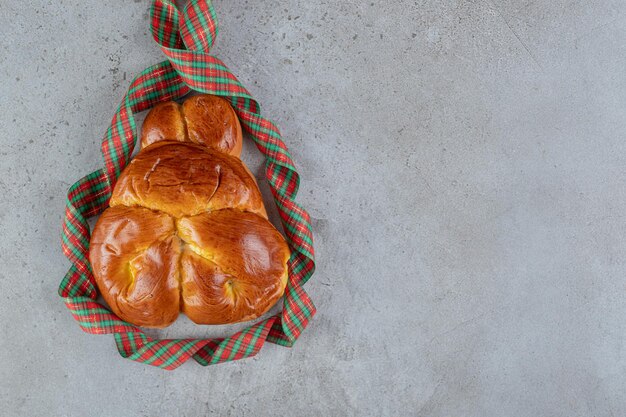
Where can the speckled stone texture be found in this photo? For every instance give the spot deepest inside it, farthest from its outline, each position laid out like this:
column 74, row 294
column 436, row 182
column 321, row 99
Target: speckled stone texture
column 464, row 165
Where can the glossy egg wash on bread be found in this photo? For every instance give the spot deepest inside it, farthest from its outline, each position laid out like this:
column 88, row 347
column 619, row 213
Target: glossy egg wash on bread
column 186, row 229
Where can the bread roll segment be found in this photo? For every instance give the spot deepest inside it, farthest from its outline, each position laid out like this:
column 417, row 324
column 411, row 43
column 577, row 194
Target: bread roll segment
column 134, row 254
column 232, row 256
column 185, row 179
column 186, row 229
column 204, row 119
column 164, row 122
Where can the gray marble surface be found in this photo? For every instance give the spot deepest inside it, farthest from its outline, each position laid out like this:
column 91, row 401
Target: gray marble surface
column 464, row 165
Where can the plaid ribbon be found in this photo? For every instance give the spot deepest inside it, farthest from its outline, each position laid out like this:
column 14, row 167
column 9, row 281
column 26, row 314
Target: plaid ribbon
column 185, row 37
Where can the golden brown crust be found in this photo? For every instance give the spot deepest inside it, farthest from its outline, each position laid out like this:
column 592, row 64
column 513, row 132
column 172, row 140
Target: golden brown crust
column 211, row 121
column 134, row 256
column 233, row 267
column 164, row 122
column 186, row 228
column 219, row 267
column 203, row 119
column 184, row 179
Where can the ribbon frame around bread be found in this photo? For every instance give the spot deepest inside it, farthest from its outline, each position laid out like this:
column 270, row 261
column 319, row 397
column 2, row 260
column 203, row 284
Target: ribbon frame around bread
column 185, row 37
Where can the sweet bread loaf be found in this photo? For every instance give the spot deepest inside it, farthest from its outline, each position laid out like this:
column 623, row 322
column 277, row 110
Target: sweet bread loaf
column 186, row 229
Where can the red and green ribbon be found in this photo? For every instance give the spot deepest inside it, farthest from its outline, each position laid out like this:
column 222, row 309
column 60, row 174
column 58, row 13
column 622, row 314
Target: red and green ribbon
column 186, row 37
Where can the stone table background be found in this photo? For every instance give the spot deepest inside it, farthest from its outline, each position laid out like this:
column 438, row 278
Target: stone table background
column 464, row 165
